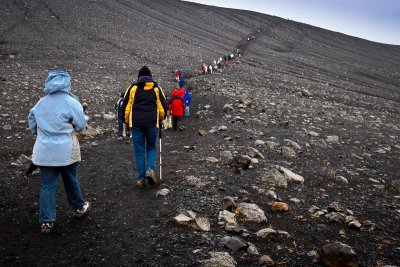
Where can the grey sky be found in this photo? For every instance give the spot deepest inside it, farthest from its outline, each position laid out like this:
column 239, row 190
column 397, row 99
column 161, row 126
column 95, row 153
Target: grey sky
column 375, row 20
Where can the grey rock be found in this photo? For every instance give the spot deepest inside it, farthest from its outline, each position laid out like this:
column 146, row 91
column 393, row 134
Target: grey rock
column 288, row 152
column 229, row 203
column 337, row 254
column 219, row 259
column 234, row 243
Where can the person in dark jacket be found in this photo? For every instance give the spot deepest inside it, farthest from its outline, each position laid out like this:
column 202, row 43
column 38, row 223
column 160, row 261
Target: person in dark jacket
column 145, row 107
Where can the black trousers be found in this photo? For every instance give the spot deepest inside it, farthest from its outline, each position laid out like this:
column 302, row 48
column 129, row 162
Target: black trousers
column 175, row 122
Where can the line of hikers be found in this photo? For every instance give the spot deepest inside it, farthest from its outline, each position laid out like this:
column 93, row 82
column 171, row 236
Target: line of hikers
column 178, row 107
column 58, row 116
column 220, row 63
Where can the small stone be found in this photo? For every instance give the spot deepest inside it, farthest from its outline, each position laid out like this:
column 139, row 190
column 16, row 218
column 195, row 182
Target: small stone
column 163, row 192
column 259, row 143
column 234, row 243
column 342, row 179
column 279, row 206
column 266, row 260
column 222, row 259
column 202, row 132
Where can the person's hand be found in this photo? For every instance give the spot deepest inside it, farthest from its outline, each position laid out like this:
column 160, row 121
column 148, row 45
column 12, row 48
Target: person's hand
column 84, row 106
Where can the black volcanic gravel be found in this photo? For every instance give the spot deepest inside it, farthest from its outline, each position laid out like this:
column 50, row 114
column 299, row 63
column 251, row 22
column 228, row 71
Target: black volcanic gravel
column 354, row 86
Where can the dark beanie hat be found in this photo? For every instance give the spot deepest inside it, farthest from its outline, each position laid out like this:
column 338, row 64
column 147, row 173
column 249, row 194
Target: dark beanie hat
column 144, row 71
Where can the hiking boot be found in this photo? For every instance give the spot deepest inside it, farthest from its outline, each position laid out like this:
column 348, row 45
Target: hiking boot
column 79, row 213
column 46, row 227
column 141, row 183
column 151, row 177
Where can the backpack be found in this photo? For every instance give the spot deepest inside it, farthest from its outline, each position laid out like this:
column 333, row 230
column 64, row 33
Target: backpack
column 126, row 99
column 187, row 98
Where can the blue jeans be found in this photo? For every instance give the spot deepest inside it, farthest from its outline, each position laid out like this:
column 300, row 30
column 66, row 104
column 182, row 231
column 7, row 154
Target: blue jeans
column 144, row 145
column 48, row 190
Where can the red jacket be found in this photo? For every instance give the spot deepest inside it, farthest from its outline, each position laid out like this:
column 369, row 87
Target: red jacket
column 182, row 92
column 176, row 106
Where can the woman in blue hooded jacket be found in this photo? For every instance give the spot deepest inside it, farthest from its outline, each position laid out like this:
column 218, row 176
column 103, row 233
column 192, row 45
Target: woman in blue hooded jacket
column 54, row 119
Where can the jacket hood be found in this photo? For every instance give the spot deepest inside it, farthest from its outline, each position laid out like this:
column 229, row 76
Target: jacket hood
column 144, row 79
column 175, row 92
column 57, row 81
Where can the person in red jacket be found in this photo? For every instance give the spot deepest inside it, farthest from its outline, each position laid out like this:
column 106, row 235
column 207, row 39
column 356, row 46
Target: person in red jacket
column 176, row 108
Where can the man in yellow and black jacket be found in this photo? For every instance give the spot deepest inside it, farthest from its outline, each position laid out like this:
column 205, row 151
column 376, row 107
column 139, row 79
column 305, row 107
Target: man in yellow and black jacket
column 145, row 107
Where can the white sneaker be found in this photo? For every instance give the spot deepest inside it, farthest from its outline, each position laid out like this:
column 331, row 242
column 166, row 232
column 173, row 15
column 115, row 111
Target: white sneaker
column 79, row 213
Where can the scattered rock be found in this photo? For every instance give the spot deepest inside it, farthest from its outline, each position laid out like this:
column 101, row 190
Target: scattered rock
column 291, row 176
column 337, row 254
column 195, row 181
column 332, row 139
column 234, row 243
column 305, row 92
column 288, row 152
column 275, row 177
column 163, row 192
column 229, row 203
column 219, row 259
column 241, row 162
column 202, row 132
column 189, row 219
column 227, row 108
column 251, row 212
column 279, row 206
column 211, row 160
column 266, row 260
column 227, row 217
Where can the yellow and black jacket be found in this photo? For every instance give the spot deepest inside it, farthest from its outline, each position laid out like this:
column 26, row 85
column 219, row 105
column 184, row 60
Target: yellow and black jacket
column 144, row 105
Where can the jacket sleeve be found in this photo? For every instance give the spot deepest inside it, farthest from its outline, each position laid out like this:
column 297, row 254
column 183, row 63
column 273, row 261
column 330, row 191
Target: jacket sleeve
column 129, row 98
column 161, row 104
column 32, row 122
column 79, row 120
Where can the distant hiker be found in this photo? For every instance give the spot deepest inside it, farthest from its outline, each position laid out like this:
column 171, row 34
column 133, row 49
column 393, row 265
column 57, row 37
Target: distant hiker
column 180, row 75
column 219, row 64
column 181, row 88
column 204, row 68
column 209, row 69
column 54, row 119
column 177, row 75
column 176, row 107
column 120, row 115
column 145, row 107
column 187, row 99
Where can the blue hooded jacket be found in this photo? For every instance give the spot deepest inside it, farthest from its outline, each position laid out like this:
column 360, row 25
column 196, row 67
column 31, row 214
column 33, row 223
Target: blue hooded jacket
column 54, row 119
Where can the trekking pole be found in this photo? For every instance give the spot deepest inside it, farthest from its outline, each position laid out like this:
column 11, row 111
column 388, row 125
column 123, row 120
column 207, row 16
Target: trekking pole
column 159, row 135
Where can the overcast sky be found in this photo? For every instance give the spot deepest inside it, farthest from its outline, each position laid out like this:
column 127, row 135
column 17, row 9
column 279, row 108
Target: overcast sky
column 375, row 20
